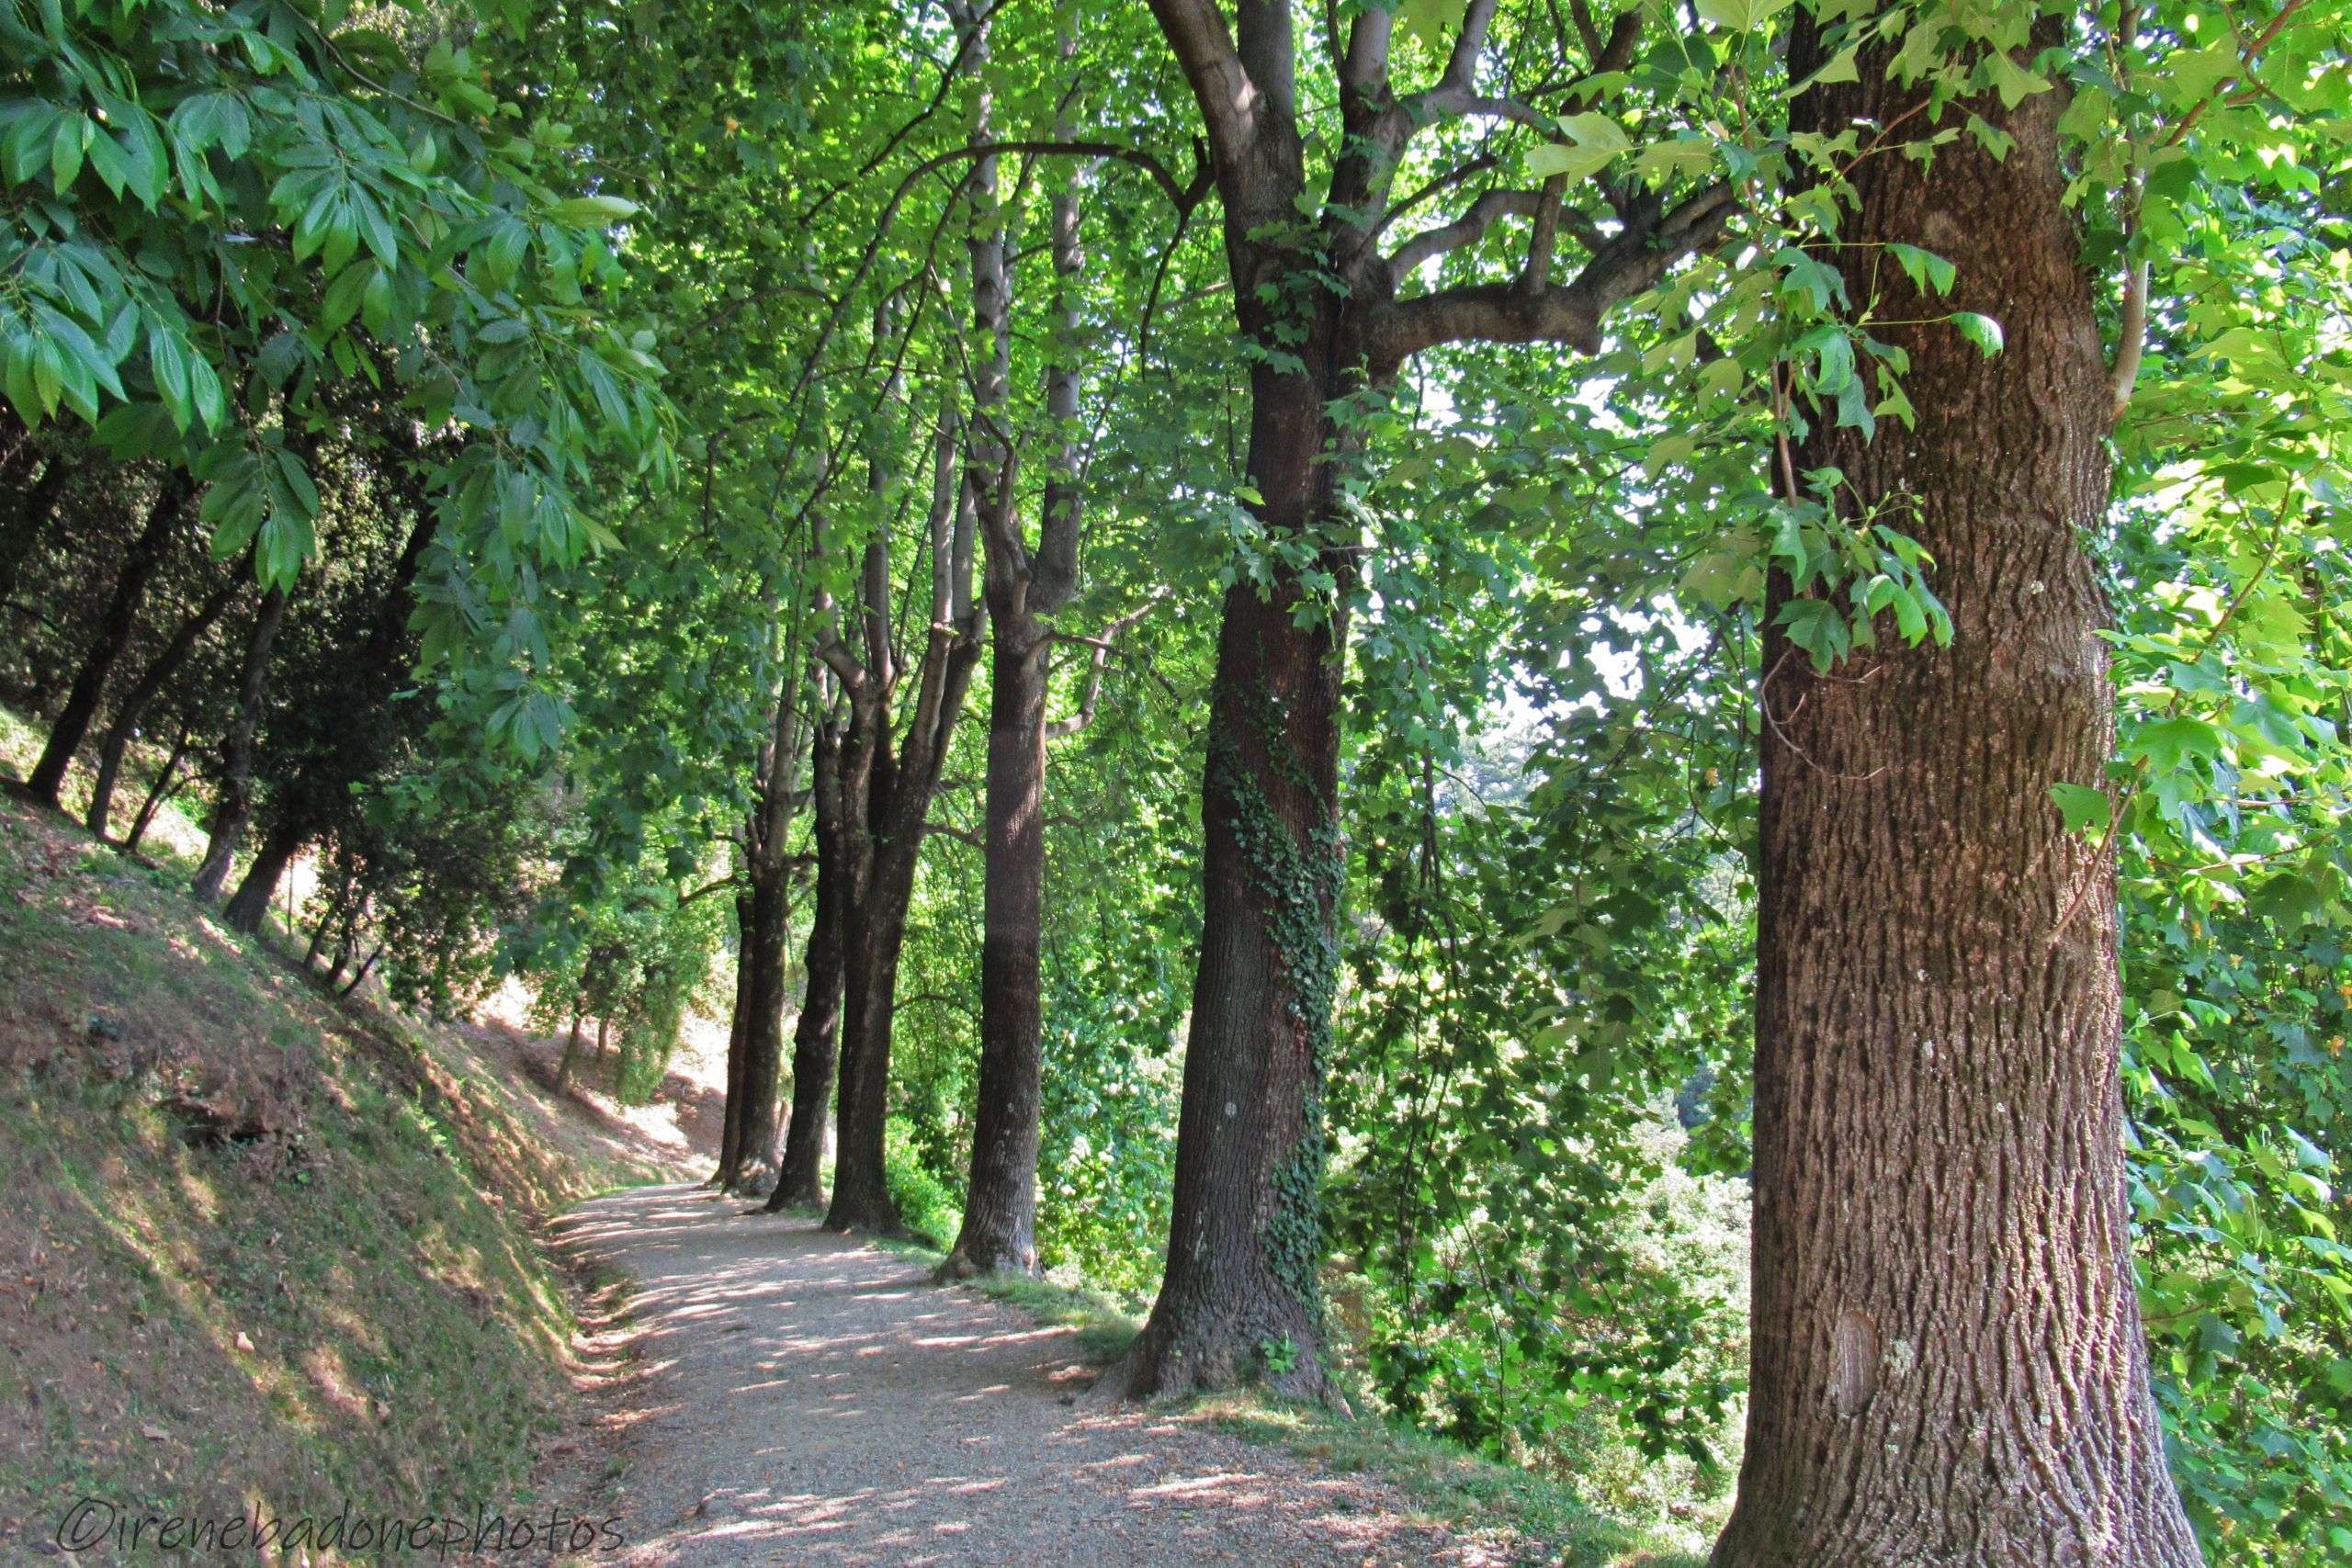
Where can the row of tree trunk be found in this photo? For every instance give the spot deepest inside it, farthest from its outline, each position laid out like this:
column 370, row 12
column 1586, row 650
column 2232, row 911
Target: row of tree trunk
column 314, row 786
column 1948, row 1362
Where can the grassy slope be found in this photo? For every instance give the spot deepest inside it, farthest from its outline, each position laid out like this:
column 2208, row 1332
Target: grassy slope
column 348, row 1305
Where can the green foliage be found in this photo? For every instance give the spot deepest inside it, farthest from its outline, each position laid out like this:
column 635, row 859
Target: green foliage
column 925, row 1205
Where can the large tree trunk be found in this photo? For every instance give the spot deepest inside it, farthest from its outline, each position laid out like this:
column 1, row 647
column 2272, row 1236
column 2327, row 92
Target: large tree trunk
column 150, row 681
column 1001, row 1203
column 114, row 635
column 250, row 905
column 1240, row 1299
column 886, row 794
column 234, row 805
column 771, row 932
column 816, row 1041
column 1000, row 1199
column 767, row 931
column 1949, row 1366
column 870, row 943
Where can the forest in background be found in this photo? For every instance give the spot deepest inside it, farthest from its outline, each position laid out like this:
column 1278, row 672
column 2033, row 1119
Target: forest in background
column 1336, row 627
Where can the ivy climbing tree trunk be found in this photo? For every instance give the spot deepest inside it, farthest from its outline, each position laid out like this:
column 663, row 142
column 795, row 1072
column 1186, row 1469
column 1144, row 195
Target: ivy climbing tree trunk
column 113, row 633
column 1318, row 308
column 1949, row 1366
column 233, row 805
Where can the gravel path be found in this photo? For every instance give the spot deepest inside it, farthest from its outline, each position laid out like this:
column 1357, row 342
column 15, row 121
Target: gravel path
column 808, row 1398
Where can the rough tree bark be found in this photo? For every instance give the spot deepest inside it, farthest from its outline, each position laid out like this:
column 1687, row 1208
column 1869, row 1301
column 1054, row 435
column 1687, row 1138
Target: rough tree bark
column 816, row 1041
column 730, row 1121
column 1025, row 590
column 150, row 681
column 888, row 784
column 1001, row 1204
column 232, row 807
column 1240, row 1299
column 113, row 633
column 1948, row 1361
column 249, row 906
column 765, row 935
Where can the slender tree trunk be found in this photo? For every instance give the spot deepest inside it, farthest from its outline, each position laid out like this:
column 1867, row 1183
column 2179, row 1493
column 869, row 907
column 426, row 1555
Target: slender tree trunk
column 150, row 681
column 730, row 1137
column 570, row 1053
column 1948, row 1365
column 364, row 970
column 764, row 1031
column 115, row 629
column 766, row 932
column 860, row 1195
column 1000, row 1202
column 326, row 923
column 37, row 506
column 1001, row 1198
column 246, row 910
column 234, row 805
column 816, row 1042
column 159, row 793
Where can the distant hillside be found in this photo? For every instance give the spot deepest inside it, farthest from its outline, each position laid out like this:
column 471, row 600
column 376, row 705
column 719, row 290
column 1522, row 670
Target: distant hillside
column 262, row 1249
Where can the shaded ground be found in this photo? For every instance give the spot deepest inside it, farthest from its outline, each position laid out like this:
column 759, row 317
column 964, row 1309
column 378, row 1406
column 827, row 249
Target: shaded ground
column 807, row 1398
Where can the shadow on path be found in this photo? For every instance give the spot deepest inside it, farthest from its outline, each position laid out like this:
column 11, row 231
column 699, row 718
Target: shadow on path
column 804, row 1397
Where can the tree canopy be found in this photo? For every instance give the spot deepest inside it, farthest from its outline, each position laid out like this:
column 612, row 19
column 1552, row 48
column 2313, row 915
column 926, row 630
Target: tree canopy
column 1244, row 619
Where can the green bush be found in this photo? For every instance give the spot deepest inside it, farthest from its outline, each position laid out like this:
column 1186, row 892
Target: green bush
column 925, row 1205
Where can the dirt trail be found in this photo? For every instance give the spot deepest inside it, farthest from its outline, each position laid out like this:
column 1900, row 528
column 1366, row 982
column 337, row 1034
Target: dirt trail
column 806, row 1398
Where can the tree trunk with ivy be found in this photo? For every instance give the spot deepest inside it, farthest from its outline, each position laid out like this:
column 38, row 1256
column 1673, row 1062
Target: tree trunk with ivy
column 1316, row 287
column 1949, row 1366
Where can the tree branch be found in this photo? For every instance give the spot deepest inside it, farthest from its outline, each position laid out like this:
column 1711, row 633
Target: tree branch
column 1467, row 229
column 1196, row 30
column 1504, row 312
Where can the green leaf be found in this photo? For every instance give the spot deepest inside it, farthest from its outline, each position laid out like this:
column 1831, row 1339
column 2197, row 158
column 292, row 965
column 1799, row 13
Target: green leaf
column 2170, row 742
column 1740, row 16
column 582, row 211
column 2083, row 808
column 1431, row 21
column 1982, row 331
column 1928, row 270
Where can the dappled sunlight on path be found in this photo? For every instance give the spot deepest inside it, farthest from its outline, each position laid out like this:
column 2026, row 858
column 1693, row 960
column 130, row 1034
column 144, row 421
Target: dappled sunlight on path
column 803, row 1397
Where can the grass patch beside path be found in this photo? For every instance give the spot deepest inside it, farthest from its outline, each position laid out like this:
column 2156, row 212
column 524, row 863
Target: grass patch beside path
column 1544, row 1520
column 1105, row 1328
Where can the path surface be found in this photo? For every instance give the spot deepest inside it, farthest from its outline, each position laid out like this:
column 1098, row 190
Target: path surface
column 810, row 1398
